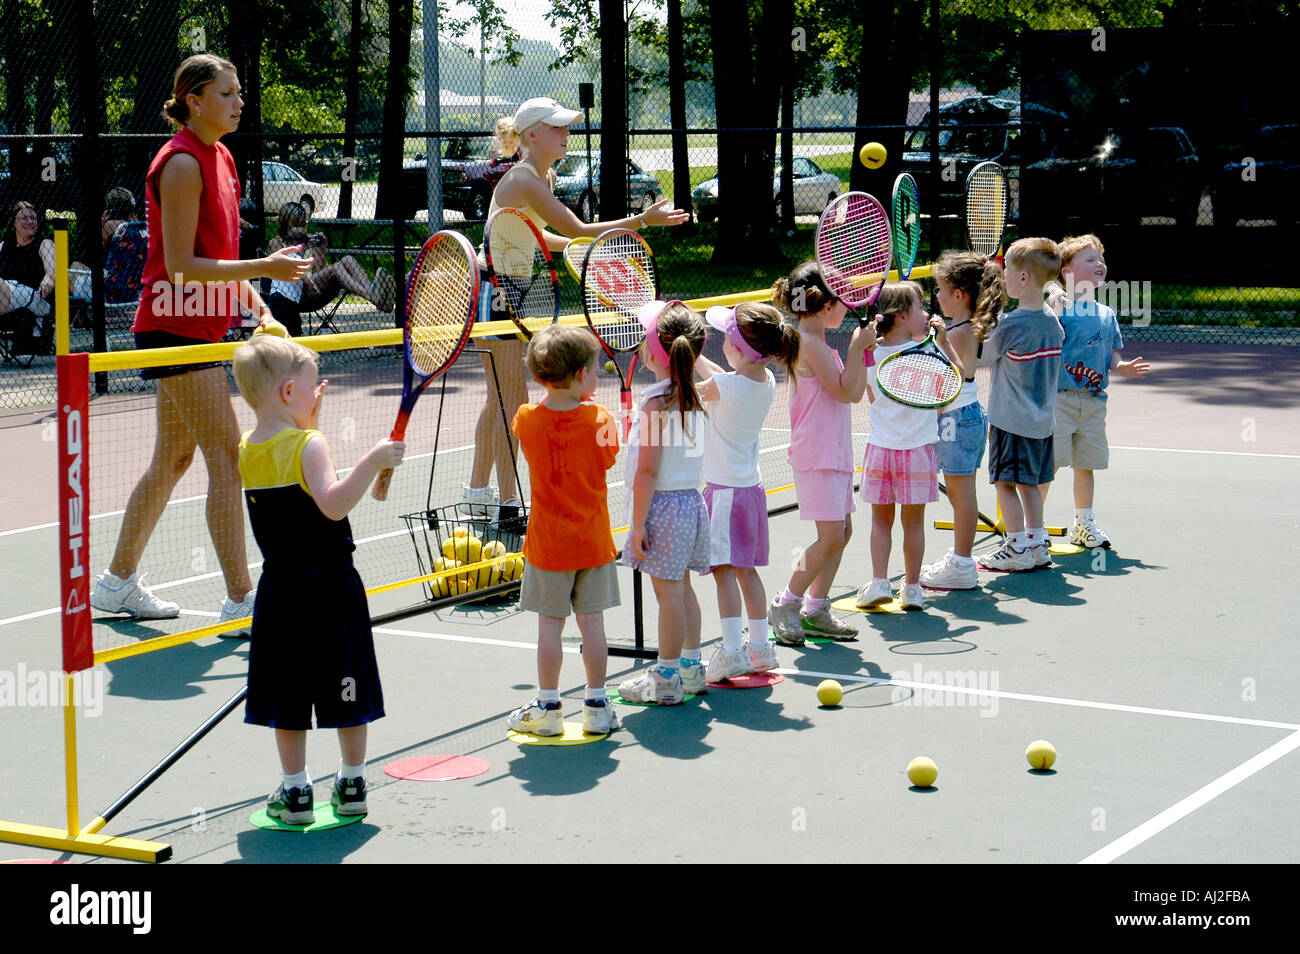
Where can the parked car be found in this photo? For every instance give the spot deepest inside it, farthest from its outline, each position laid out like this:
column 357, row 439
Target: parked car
column 280, row 184
column 814, row 189
column 471, row 169
column 1273, row 191
column 572, row 188
column 977, row 129
column 1118, row 176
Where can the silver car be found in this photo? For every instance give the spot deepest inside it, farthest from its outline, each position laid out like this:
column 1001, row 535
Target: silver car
column 280, row 184
column 814, row 189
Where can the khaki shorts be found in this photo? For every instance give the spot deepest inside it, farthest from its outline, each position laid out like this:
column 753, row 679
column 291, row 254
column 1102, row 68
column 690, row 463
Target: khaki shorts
column 1080, row 437
column 555, row 592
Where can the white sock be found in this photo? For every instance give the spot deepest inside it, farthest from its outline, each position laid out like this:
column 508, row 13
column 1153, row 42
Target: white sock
column 758, row 632
column 667, row 667
column 1036, row 535
column 691, row 657
column 596, row 694
column 1017, row 539
column 301, row 780
column 352, row 771
column 962, row 560
column 815, row 604
column 733, row 636
column 788, row 596
column 1083, row 514
column 547, row 696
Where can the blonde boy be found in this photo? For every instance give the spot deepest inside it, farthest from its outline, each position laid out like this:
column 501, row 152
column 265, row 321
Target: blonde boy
column 311, row 604
column 569, row 443
column 1091, row 350
column 1025, row 352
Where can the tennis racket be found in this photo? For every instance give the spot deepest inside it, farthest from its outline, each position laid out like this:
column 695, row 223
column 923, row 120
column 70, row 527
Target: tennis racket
column 854, row 248
column 986, row 208
column 574, row 255
column 618, row 277
column 521, row 270
column 441, row 305
column 906, row 214
column 919, row 377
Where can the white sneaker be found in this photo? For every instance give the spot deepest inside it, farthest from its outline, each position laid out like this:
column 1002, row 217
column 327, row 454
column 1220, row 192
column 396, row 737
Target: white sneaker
column 232, row 610
column 784, row 619
column 694, row 679
column 874, row 594
column 1086, row 533
column 824, row 623
column 114, row 595
column 538, row 719
column 1007, row 558
column 476, row 501
column 723, row 666
column 761, row 658
column 911, row 597
column 950, row 574
column 599, row 718
column 1042, row 555
column 653, row 686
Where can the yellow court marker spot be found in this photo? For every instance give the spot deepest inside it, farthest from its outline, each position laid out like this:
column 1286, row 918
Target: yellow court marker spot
column 1064, row 549
column 846, row 603
column 573, row 735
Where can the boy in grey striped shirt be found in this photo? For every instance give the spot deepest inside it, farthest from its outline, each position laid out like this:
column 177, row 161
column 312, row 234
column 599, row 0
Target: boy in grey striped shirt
column 1025, row 353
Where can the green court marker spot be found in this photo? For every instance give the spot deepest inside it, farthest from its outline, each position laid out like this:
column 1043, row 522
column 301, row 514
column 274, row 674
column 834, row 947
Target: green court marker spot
column 326, row 818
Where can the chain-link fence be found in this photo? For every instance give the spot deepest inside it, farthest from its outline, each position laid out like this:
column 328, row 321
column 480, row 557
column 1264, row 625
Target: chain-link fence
column 367, row 114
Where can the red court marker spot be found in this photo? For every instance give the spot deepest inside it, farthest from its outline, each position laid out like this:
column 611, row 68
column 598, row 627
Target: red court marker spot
column 754, row 680
column 437, row 768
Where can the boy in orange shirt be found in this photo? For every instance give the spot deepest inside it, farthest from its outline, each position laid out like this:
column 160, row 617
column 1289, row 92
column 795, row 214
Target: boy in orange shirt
column 569, row 443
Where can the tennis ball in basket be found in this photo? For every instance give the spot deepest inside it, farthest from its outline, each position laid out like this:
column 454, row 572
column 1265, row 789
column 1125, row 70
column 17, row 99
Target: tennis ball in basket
column 487, row 576
column 609, row 366
column 873, row 155
column 446, row 585
column 922, row 772
column 493, row 549
column 460, row 532
column 512, row 569
column 829, row 692
column 1041, row 754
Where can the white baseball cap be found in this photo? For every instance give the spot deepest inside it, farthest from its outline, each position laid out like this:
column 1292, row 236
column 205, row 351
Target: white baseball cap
column 544, row 110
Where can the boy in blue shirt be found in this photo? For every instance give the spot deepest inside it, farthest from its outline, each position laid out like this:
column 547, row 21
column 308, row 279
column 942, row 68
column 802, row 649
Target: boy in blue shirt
column 1091, row 350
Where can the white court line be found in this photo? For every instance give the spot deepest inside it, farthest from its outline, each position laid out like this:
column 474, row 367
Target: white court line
column 1183, row 450
column 1149, row 829
column 926, row 686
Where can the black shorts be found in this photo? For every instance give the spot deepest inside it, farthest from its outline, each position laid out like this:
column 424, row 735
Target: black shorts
column 166, row 339
column 287, row 312
column 1020, row 460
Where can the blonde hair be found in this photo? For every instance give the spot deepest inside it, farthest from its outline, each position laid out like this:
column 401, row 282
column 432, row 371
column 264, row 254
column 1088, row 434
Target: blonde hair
column 263, row 361
column 1038, row 256
column 506, row 137
column 894, row 299
column 981, row 279
column 1075, row 244
column 192, row 75
column 558, row 352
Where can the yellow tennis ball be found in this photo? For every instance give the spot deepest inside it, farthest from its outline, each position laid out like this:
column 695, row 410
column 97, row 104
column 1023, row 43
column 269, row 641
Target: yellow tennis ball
column 829, row 692
column 460, row 532
column 873, row 155
column 609, row 366
column 269, row 326
column 493, row 549
column 922, row 771
column 1041, row 754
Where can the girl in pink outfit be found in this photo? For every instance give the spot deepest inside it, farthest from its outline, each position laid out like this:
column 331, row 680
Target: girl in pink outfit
column 821, row 452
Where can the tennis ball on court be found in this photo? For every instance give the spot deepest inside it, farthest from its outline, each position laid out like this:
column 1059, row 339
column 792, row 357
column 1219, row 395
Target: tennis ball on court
column 1041, row 754
column 873, row 155
column 829, row 692
column 922, row 772
column 609, row 366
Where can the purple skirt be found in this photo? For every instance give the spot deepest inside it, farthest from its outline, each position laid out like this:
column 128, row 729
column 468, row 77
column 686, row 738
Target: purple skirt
column 677, row 528
column 737, row 525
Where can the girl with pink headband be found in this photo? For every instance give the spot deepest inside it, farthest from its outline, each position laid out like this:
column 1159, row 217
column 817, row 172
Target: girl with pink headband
column 821, row 453
column 670, row 524
column 737, row 402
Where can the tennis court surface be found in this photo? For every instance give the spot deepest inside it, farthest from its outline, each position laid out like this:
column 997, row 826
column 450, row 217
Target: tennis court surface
column 1163, row 671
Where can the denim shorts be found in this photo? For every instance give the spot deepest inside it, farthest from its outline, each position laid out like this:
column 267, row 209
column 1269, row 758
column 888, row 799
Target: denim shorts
column 961, row 439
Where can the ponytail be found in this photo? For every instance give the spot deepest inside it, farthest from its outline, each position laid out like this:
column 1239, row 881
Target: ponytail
column 681, row 332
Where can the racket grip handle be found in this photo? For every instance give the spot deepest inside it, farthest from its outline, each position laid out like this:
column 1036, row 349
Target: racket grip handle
column 380, row 490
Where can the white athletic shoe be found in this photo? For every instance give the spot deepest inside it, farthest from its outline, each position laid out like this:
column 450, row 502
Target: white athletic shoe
column 232, row 610
column 874, row 593
column 762, row 658
column 694, row 679
column 479, row 501
column 1086, row 533
column 949, row 574
column 1007, row 558
column 723, row 666
column 114, row 595
column 911, row 596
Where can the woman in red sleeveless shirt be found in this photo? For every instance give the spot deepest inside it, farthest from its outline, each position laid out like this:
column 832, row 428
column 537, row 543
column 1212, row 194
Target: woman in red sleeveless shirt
column 193, row 282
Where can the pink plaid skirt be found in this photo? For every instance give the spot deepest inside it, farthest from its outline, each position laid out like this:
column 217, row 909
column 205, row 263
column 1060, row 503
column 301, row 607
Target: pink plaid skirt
column 900, row 476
